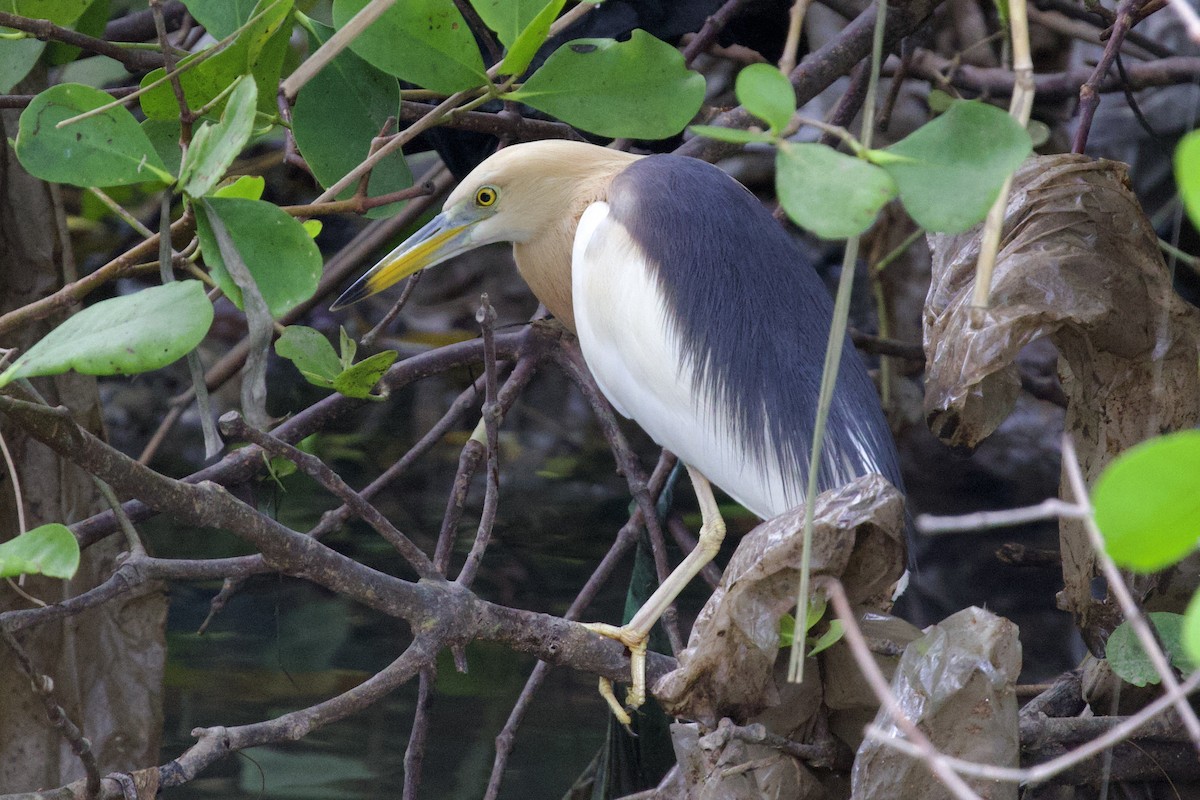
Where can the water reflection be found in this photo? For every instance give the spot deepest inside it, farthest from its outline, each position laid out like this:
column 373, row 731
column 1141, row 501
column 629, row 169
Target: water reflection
column 282, row 644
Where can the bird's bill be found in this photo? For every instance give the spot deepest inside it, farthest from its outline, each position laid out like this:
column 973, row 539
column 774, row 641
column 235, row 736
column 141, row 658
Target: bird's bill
column 440, row 239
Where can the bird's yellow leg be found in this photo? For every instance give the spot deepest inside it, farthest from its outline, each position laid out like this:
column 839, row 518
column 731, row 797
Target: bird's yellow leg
column 618, row 711
column 634, row 634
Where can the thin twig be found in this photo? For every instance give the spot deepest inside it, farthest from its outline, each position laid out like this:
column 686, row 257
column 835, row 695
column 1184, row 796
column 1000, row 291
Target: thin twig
column 335, row 44
column 848, row 105
column 43, row 687
column 883, row 692
column 186, row 116
column 569, row 357
column 486, row 317
column 833, row 352
column 132, row 540
column 1048, row 769
column 1020, row 107
column 1089, row 96
column 410, row 284
column 791, row 45
column 44, row 29
column 414, row 753
column 473, row 451
column 121, row 212
column 233, row 424
column 70, row 271
column 196, row 60
column 18, row 496
column 336, row 271
column 1051, row 508
column 625, row 539
column 1116, row 584
column 708, row 33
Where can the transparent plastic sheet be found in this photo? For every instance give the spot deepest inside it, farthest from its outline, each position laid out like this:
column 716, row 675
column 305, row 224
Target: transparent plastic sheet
column 718, row 766
column 730, row 668
column 958, row 683
column 727, row 669
column 1078, row 263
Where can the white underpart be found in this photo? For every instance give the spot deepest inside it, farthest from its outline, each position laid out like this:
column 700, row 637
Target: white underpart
column 634, row 353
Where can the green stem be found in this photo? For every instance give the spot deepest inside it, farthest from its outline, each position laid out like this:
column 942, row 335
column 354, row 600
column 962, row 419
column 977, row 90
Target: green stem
column 833, row 353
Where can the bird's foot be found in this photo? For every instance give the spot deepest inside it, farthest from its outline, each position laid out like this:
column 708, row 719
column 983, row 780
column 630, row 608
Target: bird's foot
column 635, row 641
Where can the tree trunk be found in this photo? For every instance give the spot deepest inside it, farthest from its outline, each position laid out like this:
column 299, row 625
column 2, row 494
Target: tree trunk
column 107, row 663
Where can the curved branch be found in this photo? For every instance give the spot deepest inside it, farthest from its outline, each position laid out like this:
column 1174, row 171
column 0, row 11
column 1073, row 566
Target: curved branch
column 1056, row 85
column 817, row 72
column 47, row 31
column 244, row 463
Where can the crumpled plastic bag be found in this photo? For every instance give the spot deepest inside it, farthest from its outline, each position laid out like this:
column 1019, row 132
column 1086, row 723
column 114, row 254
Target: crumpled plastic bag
column 718, row 766
column 958, row 683
column 727, row 668
column 1079, row 263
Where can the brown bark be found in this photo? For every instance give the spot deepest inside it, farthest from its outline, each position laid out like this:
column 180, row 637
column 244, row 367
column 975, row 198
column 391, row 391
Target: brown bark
column 107, row 663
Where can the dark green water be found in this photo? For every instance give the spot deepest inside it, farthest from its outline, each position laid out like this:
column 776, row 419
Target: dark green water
column 283, row 644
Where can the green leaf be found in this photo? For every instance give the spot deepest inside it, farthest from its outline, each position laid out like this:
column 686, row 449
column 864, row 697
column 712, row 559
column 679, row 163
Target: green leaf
column 60, row 12
column 426, row 42
column 522, row 51
column 105, row 150
column 639, row 89
column 278, row 468
column 312, row 354
column 312, row 227
column 1130, row 662
column 337, row 115
column 214, row 147
column 939, row 102
column 360, row 379
column 787, row 630
column 122, row 336
column 1187, row 174
column 1039, row 132
column 830, row 637
column 1147, row 504
column 731, row 135
column 767, row 94
column 829, row 193
column 247, row 187
column 816, row 609
column 1191, row 630
column 1002, row 12
column 258, row 50
column 278, row 252
column 48, row 550
column 164, row 138
column 347, row 348
column 221, row 17
column 90, row 23
column 950, row 170
column 18, row 57
column 201, row 83
column 508, row 18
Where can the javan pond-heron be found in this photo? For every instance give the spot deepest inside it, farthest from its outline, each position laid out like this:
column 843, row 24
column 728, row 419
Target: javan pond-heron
column 696, row 312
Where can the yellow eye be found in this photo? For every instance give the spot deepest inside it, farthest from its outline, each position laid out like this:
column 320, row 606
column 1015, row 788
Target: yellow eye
column 486, row 196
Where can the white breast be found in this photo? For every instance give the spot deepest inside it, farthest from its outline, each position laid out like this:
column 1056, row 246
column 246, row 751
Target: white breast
column 633, row 351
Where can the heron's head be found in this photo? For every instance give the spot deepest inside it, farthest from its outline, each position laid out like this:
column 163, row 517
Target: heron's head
column 517, row 195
